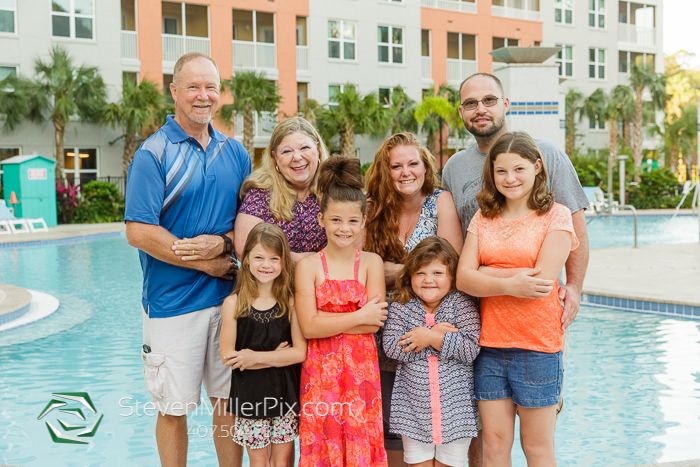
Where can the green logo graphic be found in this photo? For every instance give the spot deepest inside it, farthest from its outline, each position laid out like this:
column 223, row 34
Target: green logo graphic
column 83, row 398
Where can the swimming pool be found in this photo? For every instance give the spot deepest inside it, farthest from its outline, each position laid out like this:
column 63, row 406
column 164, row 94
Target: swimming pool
column 632, row 382
column 619, row 230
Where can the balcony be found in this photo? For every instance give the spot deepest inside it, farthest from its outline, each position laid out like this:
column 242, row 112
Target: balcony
column 130, row 45
column 452, row 5
column 302, row 58
column 248, row 55
column 175, row 46
column 426, row 68
column 517, row 13
column 264, row 124
column 459, row 70
column 636, row 34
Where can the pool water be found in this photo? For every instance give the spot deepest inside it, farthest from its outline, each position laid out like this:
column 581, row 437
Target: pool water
column 619, row 230
column 632, row 380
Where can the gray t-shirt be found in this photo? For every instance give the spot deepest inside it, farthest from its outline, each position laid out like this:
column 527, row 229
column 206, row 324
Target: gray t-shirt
column 462, row 177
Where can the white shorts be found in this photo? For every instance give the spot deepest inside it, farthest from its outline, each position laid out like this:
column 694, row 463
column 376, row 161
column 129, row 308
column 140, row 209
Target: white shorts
column 184, row 354
column 454, row 454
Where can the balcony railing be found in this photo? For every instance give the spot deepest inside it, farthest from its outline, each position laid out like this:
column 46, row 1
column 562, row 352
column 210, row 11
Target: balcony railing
column 517, row 13
column 263, row 124
column 175, row 46
column 130, row 45
column 454, row 5
column 254, row 55
column 426, row 68
column 636, row 34
column 458, row 70
column 302, row 58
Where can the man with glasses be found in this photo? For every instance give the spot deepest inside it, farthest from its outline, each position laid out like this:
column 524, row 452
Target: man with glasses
column 483, row 110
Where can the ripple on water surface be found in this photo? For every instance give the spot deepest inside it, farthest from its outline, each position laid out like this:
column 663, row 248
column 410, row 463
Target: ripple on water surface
column 632, row 381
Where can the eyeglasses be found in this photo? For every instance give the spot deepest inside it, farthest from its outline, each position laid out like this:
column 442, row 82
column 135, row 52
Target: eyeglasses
column 488, row 101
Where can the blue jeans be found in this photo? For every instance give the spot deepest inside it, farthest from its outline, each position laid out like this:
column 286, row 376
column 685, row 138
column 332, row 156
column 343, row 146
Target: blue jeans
column 530, row 378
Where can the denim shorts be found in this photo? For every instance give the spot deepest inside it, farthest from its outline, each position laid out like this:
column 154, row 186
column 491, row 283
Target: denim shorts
column 531, row 379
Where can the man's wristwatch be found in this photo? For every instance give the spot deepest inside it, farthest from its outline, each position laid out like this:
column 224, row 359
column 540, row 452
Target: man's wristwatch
column 228, row 244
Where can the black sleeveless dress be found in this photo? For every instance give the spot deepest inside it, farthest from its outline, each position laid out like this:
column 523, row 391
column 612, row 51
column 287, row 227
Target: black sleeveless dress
column 267, row 392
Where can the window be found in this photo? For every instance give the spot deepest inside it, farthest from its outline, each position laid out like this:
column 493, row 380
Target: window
column 596, row 124
column 596, row 63
column 181, row 19
column 301, row 30
column 627, row 59
column 333, row 91
column 128, row 15
column 167, row 80
column 500, row 42
column 390, row 40
column 563, row 11
column 302, row 94
column 638, row 14
column 6, row 153
column 342, row 39
column 8, row 15
column 565, row 60
column 131, row 77
column 384, row 96
column 461, row 46
column 80, row 164
column 72, row 18
column 596, row 13
column 425, row 43
column 6, row 71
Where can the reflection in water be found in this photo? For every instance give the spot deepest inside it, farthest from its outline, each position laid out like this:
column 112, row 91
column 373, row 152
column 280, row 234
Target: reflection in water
column 680, row 403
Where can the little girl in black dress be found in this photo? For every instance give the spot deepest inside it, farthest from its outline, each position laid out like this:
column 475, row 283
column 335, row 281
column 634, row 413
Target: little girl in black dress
column 262, row 343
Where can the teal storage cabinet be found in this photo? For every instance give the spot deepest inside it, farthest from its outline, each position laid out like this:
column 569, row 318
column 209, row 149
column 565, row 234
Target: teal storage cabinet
column 33, row 179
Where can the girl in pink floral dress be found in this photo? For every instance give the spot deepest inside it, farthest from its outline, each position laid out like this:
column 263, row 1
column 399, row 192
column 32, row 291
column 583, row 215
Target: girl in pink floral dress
column 341, row 406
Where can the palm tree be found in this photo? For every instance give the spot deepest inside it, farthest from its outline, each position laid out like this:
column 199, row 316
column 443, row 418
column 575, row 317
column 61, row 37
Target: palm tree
column 643, row 77
column 252, row 92
column 573, row 102
column 402, row 110
column 16, row 96
column 353, row 114
column 61, row 91
column 681, row 136
column 436, row 110
column 138, row 108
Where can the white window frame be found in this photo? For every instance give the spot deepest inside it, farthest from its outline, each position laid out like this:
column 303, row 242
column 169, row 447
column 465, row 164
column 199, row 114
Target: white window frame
column 14, row 11
column 596, row 125
column 379, row 91
column 597, row 64
column 597, row 14
column 561, row 60
column 71, row 15
column 6, row 65
column 76, row 163
column 391, row 46
column 645, row 57
column 561, row 5
column 341, row 88
column 341, row 40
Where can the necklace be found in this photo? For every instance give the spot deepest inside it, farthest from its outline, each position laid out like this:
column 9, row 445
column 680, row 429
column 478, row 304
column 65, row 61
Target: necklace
column 413, row 222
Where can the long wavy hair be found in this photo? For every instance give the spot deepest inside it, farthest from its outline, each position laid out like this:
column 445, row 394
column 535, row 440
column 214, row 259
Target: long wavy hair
column 382, row 227
column 428, row 250
column 273, row 239
column 282, row 194
column 491, row 201
column 340, row 180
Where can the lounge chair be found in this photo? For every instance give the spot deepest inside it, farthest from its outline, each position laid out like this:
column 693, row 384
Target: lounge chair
column 597, row 199
column 9, row 224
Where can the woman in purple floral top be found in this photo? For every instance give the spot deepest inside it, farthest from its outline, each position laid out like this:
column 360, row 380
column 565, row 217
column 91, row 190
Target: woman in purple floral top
column 282, row 190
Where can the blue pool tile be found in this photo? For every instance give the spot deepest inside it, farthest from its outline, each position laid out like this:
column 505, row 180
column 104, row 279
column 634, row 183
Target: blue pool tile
column 688, row 309
column 647, row 306
column 623, row 303
column 696, row 311
column 670, row 308
column 679, row 309
column 654, row 306
column 616, row 302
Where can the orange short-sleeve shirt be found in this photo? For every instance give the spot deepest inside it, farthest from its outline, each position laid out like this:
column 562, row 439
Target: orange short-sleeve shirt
column 511, row 322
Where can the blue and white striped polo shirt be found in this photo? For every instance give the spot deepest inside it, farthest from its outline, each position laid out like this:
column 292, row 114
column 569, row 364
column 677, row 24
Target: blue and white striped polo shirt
column 173, row 182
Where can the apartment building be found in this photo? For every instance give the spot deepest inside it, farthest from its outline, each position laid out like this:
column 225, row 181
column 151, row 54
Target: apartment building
column 600, row 40
column 311, row 48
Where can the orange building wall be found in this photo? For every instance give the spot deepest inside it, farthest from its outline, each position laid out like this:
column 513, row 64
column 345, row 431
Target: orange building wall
column 221, row 34
column 483, row 25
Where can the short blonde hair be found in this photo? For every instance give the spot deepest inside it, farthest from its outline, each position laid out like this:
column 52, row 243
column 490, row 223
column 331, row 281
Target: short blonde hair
column 282, row 194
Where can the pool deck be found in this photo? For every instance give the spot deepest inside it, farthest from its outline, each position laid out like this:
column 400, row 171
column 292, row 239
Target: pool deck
column 65, row 231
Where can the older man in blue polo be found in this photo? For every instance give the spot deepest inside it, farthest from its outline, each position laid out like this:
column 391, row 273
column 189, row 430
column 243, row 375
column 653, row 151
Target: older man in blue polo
column 180, row 207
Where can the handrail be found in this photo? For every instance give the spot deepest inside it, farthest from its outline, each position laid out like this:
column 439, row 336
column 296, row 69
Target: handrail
column 623, row 206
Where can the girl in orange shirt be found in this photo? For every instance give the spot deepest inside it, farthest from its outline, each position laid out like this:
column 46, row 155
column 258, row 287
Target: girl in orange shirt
column 517, row 244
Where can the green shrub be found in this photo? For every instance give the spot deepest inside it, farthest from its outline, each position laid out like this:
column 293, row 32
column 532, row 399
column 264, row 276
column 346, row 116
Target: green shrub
column 365, row 167
column 99, row 202
column 656, row 190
